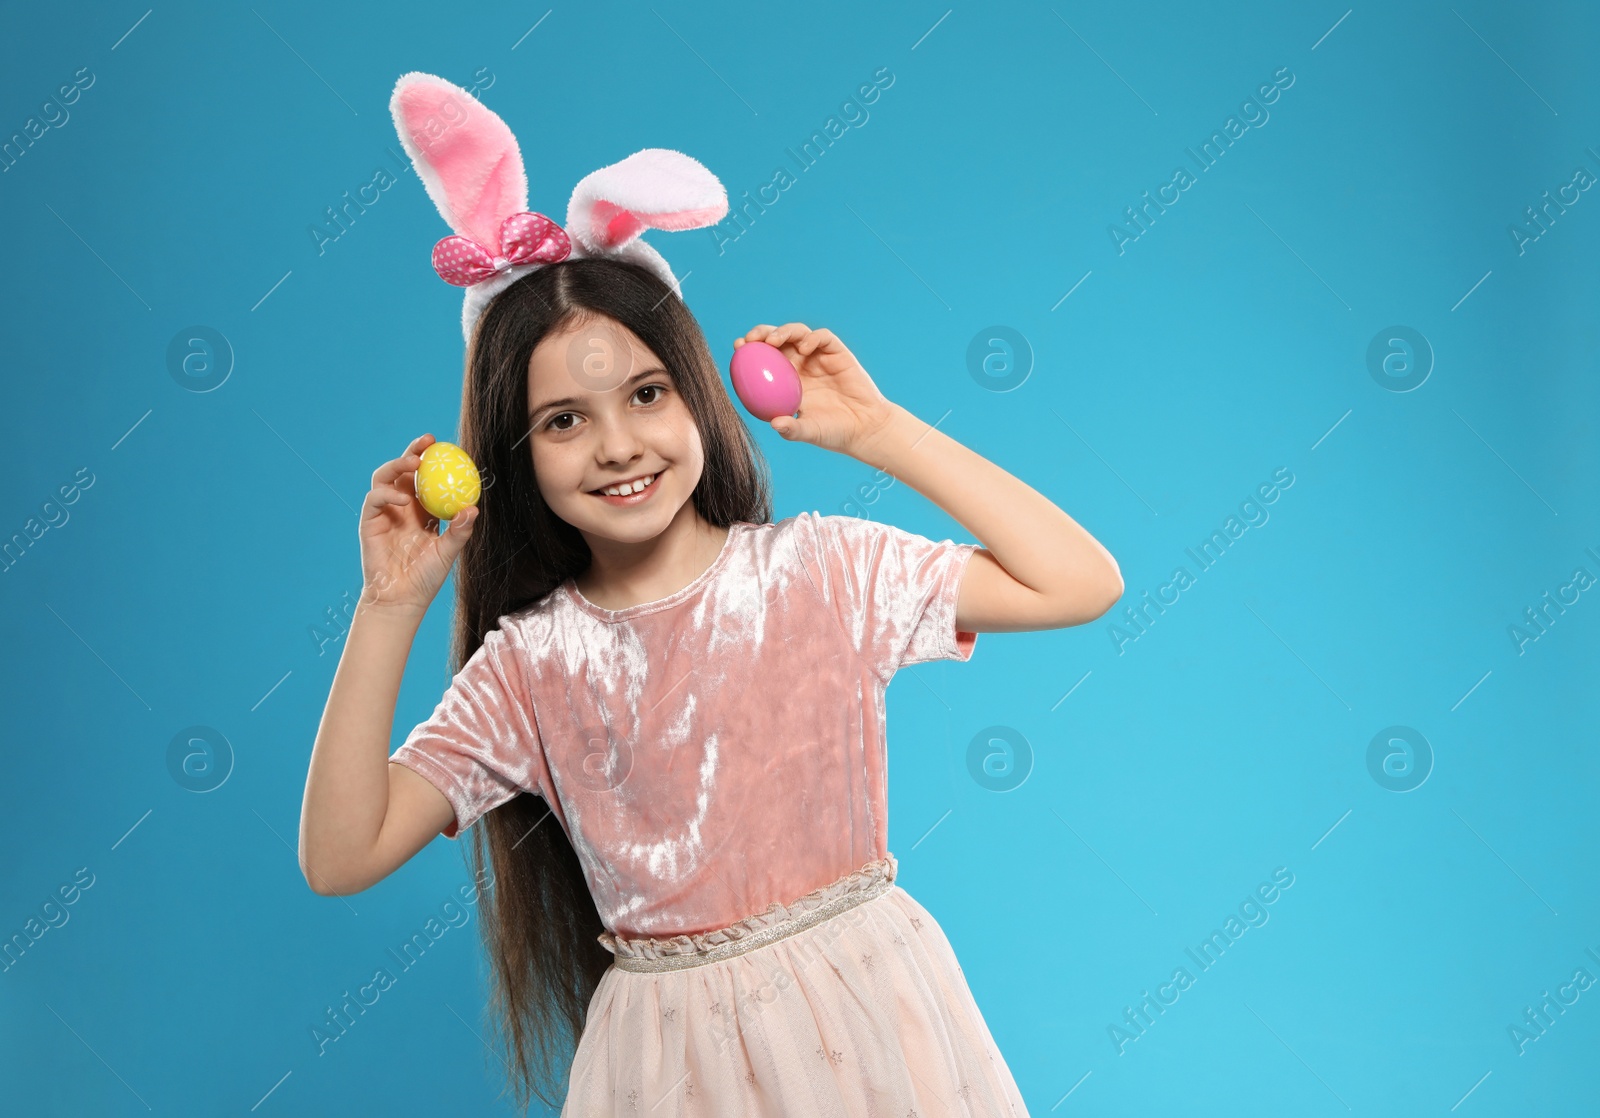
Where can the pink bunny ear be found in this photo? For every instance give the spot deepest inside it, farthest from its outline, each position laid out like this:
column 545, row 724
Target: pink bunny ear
column 466, row 155
column 651, row 189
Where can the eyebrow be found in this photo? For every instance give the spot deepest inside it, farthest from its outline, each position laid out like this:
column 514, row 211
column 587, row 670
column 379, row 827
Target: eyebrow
column 568, row 401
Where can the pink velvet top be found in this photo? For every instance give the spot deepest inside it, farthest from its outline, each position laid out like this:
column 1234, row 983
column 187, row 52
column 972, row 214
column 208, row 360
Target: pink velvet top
column 715, row 750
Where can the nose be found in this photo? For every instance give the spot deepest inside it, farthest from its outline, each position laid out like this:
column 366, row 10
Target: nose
column 619, row 440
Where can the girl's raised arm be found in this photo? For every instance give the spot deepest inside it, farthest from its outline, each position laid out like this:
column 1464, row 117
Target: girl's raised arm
column 1038, row 568
column 362, row 817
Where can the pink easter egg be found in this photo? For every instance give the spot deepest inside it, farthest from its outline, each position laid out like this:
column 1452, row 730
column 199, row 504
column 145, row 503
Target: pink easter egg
column 764, row 380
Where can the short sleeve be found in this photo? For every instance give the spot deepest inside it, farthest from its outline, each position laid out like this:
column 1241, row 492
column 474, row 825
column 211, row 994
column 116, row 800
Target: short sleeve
column 481, row 746
column 894, row 592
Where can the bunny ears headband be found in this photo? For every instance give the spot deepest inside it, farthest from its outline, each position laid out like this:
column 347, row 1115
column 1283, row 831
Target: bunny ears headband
column 469, row 161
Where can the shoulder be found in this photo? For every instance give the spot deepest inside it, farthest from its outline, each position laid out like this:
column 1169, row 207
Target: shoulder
column 841, row 534
column 763, row 541
column 526, row 630
column 807, row 536
column 805, row 525
column 820, row 526
column 830, row 548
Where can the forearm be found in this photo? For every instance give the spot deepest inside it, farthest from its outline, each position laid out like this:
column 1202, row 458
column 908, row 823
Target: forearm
column 347, row 786
column 1037, row 543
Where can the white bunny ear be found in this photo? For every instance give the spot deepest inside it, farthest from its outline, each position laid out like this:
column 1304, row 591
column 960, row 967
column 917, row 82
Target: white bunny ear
column 656, row 188
column 465, row 154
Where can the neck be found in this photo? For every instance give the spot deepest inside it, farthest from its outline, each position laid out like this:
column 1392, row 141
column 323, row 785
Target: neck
column 623, row 573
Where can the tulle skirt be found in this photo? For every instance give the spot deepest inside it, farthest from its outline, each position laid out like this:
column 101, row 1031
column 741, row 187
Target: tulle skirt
column 862, row 1011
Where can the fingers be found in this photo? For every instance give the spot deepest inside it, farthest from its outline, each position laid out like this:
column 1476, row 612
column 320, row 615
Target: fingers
column 804, row 339
column 778, row 336
column 774, row 335
column 825, row 339
column 392, row 480
column 795, row 428
column 392, row 471
column 455, row 537
column 381, row 497
column 387, row 495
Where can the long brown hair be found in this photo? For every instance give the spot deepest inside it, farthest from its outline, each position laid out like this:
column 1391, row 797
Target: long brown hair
column 540, row 922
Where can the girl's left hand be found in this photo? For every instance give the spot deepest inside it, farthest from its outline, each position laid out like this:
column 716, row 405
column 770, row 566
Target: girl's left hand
column 840, row 408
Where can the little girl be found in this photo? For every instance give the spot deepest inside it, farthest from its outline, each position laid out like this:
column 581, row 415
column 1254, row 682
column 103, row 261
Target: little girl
column 669, row 710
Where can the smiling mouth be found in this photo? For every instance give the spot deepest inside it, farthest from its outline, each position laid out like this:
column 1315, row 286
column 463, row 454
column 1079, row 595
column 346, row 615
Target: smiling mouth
column 628, row 488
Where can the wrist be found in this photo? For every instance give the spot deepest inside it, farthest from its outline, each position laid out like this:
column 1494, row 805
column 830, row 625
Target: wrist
column 401, row 615
column 896, row 433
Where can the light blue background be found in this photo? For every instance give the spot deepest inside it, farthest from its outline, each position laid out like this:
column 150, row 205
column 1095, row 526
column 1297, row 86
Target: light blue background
column 1228, row 341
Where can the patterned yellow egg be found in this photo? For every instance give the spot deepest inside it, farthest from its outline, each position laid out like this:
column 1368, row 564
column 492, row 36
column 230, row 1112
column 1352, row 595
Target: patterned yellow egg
column 447, row 481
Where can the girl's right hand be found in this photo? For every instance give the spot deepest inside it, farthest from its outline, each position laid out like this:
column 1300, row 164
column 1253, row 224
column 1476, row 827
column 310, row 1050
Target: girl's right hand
column 404, row 559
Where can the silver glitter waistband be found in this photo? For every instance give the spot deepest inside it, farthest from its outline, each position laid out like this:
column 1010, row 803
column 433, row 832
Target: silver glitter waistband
column 762, row 937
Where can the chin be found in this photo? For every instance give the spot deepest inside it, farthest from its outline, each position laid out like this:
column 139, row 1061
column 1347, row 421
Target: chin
column 624, row 525
column 635, row 530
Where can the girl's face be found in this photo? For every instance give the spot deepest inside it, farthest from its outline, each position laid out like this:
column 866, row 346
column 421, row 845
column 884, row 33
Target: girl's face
column 603, row 410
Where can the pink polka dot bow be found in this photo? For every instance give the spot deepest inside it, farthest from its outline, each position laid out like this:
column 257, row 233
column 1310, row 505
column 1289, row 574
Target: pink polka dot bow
column 525, row 238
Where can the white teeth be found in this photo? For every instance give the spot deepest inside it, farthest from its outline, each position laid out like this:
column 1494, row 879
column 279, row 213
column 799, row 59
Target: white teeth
column 634, row 487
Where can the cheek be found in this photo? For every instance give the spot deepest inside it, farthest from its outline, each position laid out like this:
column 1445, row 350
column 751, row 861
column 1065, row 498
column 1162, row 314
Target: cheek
column 687, row 437
column 552, row 471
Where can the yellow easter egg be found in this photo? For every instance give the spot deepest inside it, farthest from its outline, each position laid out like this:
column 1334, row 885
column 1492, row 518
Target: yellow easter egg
column 447, row 481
